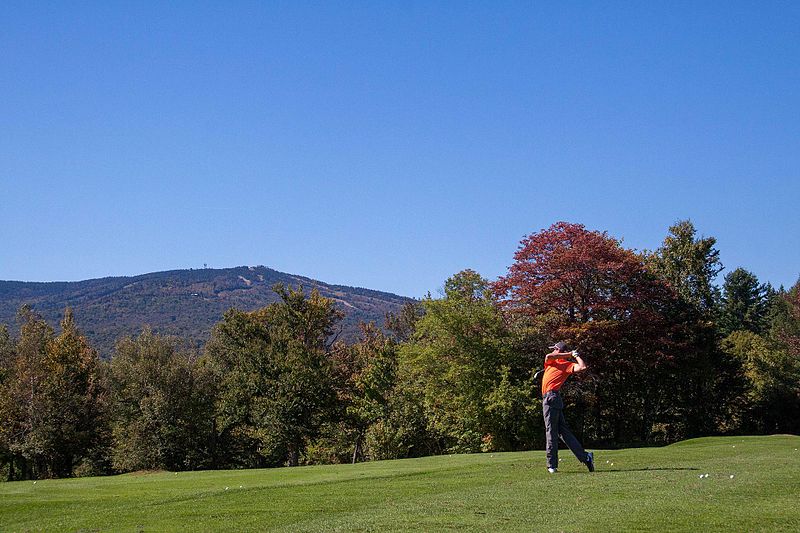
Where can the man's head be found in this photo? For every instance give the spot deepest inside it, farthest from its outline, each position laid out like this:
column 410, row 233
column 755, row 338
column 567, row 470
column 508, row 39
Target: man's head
column 559, row 346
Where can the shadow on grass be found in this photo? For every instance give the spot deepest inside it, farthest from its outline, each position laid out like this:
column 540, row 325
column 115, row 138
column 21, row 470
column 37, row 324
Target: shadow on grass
column 605, row 470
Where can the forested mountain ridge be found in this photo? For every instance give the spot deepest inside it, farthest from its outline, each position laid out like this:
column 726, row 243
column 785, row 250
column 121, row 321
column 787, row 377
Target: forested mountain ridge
column 186, row 303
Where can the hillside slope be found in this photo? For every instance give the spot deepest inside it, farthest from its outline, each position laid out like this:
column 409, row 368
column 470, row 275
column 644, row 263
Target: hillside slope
column 179, row 302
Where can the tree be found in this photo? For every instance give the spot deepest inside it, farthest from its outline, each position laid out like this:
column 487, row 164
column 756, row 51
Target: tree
column 51, row 400
column 23, row 406
column 7, row 353
column 582, row 286
column 782, row 410
column 571, row 273
column 401, row 324
column 785, row 319
column 689, row 265
column 7, row 359
column 363, row 379
column 76, row 404
column 771, row 403
column 274, row 371
column 457, row 358
column 758, row 369
column 162, row 405
column 365, row 375
column 745, row 303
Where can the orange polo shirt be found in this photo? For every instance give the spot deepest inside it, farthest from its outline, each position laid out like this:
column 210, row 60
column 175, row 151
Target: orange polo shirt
column 556, row 372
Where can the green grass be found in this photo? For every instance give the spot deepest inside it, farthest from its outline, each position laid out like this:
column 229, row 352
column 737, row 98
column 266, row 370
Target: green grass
column 651, row 489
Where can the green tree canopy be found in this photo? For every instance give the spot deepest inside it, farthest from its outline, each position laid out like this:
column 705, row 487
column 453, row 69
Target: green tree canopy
column 745, row 303
column 458, row 360
column 690, row 265
column 364, row 376
column 162, row 405
column 274, row 371
column 51, row 399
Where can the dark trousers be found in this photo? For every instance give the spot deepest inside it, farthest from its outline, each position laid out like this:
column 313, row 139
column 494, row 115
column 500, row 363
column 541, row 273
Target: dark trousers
column 556, row 426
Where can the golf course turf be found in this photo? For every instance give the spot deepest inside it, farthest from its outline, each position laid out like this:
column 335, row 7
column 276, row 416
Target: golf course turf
column 646, row 489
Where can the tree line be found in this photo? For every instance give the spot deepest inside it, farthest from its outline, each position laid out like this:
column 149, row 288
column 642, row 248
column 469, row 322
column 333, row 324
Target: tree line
column 671, row 356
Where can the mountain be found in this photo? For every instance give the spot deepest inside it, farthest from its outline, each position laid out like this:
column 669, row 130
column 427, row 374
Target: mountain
column 179, row 302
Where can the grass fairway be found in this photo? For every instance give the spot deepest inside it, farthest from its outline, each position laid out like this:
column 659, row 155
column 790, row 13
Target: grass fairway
column 645, row 489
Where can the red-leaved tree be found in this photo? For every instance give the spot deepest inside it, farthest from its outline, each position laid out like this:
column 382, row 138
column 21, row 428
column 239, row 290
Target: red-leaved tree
column 582, row 286
column 578, row 274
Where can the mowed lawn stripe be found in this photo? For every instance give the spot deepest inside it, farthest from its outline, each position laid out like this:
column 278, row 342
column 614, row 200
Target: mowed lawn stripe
column 644, row 489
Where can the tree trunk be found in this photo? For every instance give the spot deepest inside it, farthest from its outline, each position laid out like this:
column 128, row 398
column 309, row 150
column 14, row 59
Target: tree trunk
column 214, row 436
column 357, row 448
column 294, row 454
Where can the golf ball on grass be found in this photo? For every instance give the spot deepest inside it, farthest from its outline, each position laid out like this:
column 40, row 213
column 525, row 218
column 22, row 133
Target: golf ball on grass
column 731, row 476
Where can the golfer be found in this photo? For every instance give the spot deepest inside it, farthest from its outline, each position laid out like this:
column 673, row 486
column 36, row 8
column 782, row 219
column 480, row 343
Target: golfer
column 557, row 368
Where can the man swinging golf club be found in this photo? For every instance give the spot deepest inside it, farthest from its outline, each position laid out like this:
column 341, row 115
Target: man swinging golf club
column 557, row 368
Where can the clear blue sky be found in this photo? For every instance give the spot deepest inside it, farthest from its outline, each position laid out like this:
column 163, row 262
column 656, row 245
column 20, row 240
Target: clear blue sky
column 391, row 144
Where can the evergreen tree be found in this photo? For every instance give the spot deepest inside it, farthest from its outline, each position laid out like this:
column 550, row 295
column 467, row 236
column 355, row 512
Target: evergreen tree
column 690, row 266
column 745, row 303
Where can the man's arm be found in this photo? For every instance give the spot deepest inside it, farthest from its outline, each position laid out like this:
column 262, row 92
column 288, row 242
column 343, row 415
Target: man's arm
column 581, row 364
column 578, row 361
column 558, row 355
